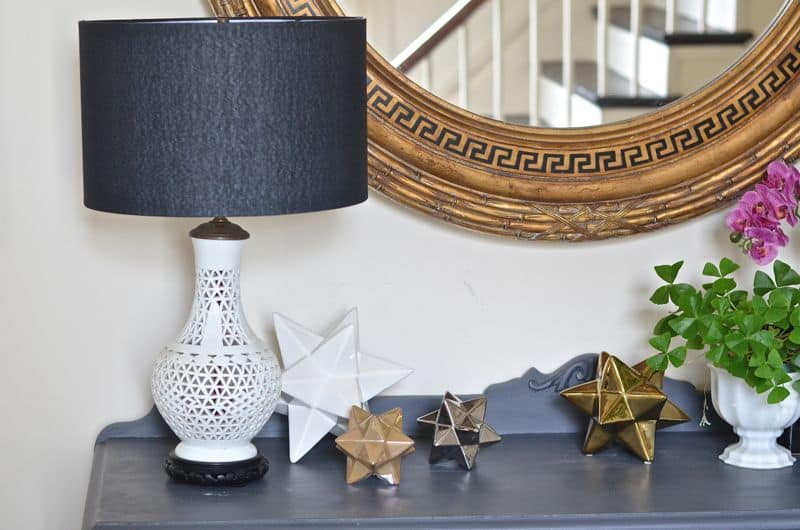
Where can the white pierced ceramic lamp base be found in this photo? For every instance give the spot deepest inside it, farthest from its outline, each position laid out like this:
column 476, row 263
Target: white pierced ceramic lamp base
column 757, row 423
column 215, row 405
column 218, row 384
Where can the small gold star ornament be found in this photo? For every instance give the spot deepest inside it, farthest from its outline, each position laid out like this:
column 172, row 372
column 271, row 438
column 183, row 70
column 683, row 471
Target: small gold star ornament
column 460, row 430
column 374, row 445
column 625, row 404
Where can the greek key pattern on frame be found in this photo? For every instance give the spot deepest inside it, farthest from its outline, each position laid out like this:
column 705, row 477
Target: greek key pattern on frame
column 543, row 162
column 604, row 159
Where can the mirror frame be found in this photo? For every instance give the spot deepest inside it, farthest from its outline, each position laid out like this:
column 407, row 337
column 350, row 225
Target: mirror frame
column 678, row 162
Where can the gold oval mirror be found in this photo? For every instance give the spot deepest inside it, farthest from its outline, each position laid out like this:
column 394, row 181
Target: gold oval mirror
column 683, row 157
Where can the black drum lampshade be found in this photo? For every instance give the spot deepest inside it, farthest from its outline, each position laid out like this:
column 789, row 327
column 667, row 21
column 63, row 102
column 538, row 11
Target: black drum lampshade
column 223, row 117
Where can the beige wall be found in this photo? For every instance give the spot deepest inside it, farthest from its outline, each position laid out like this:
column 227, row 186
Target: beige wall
column 88, row 299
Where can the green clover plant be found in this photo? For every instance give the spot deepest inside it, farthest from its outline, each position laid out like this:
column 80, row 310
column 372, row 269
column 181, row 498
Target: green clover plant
column 754, row 338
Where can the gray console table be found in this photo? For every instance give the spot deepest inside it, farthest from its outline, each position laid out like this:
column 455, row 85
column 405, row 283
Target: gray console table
column 535, row 478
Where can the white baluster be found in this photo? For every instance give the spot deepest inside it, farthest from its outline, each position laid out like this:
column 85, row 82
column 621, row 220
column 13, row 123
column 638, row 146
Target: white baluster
column 497, row 61
column 567, row 66
column 425, row 76
column 701, row 16
column 636, row 31
column 533, row 62
column 602, row 46
column 669, row 24
column 463, row 67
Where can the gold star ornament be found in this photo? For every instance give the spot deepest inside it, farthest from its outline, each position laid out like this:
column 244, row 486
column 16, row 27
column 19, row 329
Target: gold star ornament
column 625, row 404
column 460, row 430
column 374, row 445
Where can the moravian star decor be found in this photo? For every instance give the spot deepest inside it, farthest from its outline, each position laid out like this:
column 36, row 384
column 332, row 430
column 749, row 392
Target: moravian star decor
column 459, row 430
column 374, row 445
column 625, row 404
column 324, row 377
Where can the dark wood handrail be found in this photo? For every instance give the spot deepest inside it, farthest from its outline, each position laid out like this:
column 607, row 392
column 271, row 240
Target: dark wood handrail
column 454, row 17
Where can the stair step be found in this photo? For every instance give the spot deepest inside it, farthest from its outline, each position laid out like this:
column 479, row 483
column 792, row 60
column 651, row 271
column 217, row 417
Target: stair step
column 618, row 92
column 524, row 119
column 654, row 21
column 520, row 119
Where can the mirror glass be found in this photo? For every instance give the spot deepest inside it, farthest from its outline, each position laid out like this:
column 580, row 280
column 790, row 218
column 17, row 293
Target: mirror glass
column 562, row 63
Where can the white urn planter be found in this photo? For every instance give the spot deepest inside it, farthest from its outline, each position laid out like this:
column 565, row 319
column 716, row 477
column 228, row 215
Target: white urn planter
column 757, row 423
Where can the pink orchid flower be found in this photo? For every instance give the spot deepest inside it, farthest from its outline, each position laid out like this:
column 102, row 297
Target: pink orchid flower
column 765, row 243
column 738, row 220
column 781, row 205
column 763, row 254
column 756, row 220
column 783, row 177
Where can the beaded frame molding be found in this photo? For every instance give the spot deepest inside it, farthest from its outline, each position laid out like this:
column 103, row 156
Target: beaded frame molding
column 678, row 162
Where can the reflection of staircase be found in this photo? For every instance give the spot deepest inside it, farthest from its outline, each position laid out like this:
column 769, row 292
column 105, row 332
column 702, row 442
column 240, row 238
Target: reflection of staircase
column 590, row 105
column 586, row 62
column 684, row 28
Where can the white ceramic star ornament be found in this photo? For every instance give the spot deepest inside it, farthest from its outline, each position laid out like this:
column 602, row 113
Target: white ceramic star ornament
column 324, row 376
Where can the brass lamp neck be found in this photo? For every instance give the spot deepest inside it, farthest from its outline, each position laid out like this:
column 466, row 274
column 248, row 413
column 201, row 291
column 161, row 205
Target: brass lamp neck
column 220, row 229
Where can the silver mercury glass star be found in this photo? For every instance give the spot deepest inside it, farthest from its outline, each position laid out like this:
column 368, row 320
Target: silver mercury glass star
column 460, row 430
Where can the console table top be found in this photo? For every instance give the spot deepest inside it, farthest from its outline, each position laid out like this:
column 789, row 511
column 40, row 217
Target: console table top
column 535, row 479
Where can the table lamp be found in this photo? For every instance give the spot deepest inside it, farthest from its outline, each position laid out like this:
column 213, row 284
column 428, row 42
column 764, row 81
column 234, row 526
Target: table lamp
column 221, row 118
